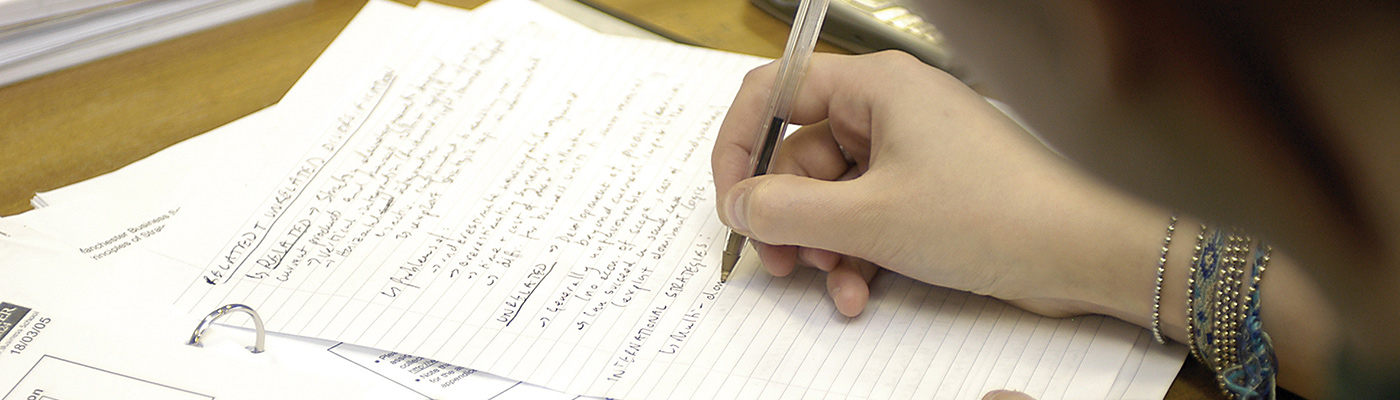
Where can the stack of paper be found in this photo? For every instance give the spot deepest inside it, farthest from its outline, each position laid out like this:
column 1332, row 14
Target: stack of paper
column 505, row 191
column 38, row 36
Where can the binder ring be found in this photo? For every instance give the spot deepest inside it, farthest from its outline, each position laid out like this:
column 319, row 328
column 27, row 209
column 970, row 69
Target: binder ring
column 219, row 313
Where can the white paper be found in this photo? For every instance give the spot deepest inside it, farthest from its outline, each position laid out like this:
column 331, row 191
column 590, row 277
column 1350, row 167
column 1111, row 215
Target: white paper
column 87, row 334
column 81, row 339
column 97, row 29
column 760, row 337
column 120, row 205
column 467, row 199
column 13, row 12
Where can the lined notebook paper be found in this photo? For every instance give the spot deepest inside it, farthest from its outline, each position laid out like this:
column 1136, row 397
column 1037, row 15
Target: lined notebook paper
column 537, row 204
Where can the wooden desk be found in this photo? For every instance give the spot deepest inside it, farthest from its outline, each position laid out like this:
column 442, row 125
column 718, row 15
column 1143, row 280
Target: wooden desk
column 85, row 121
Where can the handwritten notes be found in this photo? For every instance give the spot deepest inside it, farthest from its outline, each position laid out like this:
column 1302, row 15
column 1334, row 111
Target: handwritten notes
column 538, row 205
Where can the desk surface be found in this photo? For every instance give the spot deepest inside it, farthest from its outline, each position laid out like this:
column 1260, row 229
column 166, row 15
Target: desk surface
column 88, row 120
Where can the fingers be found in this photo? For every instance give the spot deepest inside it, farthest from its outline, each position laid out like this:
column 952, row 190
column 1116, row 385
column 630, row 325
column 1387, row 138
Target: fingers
column 821, row 259
column 737, row 133
column 849, row 285
column 839, row 88
column 779, row 260
column 847, row 279
column 1006, row 395
column 811, row 151
column 793, row 210
column 782, row 260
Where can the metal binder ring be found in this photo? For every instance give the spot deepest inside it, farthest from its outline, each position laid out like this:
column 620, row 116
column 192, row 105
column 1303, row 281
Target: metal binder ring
column 219, row 313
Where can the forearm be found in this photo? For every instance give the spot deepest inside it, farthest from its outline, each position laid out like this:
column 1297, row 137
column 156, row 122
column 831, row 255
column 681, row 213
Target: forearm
column 1107, row 246
column 1300, row 322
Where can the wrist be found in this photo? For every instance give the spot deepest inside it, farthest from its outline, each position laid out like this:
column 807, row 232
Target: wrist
column 1134, row 301
column 1102, row 255
column 1120, row 249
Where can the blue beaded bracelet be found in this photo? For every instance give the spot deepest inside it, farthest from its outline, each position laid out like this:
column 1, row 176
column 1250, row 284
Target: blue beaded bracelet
column 1223, row 313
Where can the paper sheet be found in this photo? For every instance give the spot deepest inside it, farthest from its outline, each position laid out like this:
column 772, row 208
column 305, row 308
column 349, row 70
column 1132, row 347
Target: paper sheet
column 13, row 12
column 74, row 32
column 57, row 339
column 538, row 206
column 134, row 203
column 760, row 337
column 75, row 337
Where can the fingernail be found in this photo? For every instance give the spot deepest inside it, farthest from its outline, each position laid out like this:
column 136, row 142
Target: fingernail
column 738, row 212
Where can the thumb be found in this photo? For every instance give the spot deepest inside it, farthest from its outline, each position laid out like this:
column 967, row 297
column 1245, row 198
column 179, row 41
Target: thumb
column 796, row 210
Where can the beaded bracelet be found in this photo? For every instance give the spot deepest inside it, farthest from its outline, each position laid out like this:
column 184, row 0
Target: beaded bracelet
column 1203, row 263
column 1157, row 293
column 1223, row 313
column 1253, row 377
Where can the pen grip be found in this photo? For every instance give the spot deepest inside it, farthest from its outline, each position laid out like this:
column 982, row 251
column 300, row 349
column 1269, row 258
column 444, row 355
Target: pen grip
column 767, row 147
column 792, row 68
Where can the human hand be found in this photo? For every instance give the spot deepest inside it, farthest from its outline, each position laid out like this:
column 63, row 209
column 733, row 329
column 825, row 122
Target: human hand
column 902, row 166
column 1006, row 395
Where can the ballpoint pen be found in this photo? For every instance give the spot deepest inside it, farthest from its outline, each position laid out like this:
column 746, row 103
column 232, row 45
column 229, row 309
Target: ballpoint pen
column 806, row 24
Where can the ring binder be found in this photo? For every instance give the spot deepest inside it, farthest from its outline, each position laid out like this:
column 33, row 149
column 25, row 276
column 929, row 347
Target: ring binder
column 257, row 347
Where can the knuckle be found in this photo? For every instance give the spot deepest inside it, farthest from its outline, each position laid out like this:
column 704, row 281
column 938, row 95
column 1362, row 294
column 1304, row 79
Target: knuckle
column 757, row 75
column 896, row 58
column 908, row 65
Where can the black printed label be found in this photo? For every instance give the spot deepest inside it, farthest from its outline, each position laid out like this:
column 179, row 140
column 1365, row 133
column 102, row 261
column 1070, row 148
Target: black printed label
column 10, row 315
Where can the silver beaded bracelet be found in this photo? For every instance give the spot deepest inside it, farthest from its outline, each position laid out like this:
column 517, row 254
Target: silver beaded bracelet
column 1157, row 293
